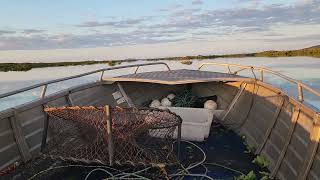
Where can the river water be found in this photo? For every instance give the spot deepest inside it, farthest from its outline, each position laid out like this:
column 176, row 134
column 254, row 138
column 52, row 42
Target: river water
column 304, row 69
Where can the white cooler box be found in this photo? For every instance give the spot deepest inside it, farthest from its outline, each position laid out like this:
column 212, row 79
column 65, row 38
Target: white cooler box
column 196, row 122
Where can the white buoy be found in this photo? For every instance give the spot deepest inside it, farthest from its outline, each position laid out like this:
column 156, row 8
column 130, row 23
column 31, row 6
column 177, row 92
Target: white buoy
column 171, row 96
column 155, row 104
column 210, row 105
column 166, row 102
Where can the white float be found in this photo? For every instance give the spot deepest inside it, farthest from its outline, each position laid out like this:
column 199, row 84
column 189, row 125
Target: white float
column 210, row 105
column 155, row 103
column 166, row 102
column 171, row 96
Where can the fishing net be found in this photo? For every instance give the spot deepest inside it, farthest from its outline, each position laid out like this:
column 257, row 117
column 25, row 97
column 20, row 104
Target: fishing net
column 45, row 168
column 138, row 135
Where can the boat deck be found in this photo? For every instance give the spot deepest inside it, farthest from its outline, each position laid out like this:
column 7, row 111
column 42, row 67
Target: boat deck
column 225, row 158
column 181, row 76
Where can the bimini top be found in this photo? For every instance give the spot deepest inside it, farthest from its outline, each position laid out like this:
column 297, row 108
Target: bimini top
column 181, row 76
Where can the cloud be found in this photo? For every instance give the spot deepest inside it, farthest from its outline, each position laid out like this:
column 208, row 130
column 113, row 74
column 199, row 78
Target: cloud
column 258, row 20
column 197, row 2
column 33, row 31
column 118, row 24
column 171, row 8
column 179, row 24
column 296, row 38
column 63, row 41
column 95, row 24
column 4, row 32
column 254, row 4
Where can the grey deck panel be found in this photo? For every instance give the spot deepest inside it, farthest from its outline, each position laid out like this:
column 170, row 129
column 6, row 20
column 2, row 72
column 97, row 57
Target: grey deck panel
column 180, row 76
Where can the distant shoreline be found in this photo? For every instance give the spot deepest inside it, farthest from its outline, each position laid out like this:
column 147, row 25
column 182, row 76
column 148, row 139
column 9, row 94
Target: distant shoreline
column 309, row 52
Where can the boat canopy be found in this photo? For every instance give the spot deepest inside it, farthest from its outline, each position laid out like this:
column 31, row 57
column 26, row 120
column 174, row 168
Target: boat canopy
column 181, row 76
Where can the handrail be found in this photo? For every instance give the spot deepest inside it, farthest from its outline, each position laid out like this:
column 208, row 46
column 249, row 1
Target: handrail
column 300, row 85
column 45, row 84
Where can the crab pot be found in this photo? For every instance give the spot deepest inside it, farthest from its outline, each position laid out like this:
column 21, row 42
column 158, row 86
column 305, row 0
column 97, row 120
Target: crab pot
column 112, row 135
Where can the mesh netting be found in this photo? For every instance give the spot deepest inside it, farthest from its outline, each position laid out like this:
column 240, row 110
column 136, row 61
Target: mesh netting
column 139, row 135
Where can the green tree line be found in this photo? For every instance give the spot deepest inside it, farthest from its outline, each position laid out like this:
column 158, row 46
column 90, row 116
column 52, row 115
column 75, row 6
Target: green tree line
column 312, row 52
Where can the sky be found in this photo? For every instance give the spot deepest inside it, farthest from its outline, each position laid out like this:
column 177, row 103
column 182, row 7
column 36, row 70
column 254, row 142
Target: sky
column 60, row 30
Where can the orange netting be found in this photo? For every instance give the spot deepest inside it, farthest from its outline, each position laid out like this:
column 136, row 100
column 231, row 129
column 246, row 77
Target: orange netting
column 139, row 135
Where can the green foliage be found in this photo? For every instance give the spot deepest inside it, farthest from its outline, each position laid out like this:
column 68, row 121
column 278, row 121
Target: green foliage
column 28, row 66
column 264, row 175
column 249, row 149
column 260, row 161
column 186, row 62
column 15, row 67
column 189, row 149
column 312, row 52
column 250, row 176
column 114, row 63
column 184, row 98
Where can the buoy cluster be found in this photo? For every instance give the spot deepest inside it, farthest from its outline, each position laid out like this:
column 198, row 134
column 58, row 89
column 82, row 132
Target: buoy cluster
column 168, row 101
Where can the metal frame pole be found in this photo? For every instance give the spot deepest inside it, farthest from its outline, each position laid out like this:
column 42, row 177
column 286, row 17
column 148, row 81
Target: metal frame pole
column 261, row 75
column 179, row 140
column 109, row 131
column 101, row 76
column 45, row 131
column 43, row 92
column 300, row 92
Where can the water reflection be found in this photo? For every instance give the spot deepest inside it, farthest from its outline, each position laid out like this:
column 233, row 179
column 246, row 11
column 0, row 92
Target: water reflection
column 304, row 69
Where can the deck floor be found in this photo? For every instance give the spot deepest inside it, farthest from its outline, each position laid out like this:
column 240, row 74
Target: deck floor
column 224, row 148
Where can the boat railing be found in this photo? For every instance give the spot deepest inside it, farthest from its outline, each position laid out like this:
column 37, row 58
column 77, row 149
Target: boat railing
column 44, row 85
column 300, row 86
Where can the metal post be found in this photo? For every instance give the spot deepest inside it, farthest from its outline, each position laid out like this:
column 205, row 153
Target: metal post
column 229, row 70
column 43, row 92
column 300, row 92
column 45, row 132
column 261, row 75
column 69, row 99
column 179, row 140
column 101, row 77
column 137, row 68
column 125, row 96
column 19, row 137
column 109, row 131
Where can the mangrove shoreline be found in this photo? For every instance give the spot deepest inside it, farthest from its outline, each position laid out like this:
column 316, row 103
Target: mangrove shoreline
column 310, row 52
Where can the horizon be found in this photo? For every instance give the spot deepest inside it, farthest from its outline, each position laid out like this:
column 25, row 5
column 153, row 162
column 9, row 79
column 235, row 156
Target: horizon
column 82, row 30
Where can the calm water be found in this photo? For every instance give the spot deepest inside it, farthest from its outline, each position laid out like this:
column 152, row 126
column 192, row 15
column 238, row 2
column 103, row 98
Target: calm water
column 304, row 69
